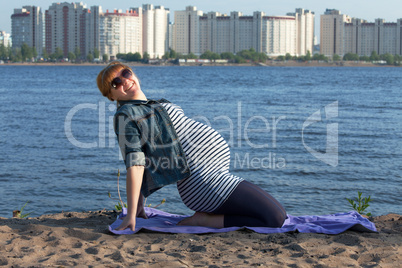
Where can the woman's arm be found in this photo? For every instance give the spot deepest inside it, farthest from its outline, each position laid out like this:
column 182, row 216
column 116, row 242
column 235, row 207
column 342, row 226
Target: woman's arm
column 133, row 182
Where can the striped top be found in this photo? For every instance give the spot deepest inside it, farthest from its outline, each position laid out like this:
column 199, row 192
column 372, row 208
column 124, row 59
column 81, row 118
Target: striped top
column 208, row 157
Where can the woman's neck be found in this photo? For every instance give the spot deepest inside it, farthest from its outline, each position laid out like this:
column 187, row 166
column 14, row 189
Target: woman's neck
column 139, row 95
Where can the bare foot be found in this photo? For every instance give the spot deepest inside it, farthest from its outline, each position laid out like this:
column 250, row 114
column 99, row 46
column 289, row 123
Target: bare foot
column 203, row 219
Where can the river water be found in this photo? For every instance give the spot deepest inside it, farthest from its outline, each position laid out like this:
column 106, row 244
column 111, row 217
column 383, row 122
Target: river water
column 310, row 136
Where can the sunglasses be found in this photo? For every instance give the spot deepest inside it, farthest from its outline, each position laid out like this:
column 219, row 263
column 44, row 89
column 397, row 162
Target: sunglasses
column 116, row 82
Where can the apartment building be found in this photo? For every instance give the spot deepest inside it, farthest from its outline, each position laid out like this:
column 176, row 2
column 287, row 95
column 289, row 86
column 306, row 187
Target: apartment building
column 362, row 37
column 69, row 26
column 155, row 30
column 186, row 31
column 279, row 35
column 341, row 34
column 196, row 32
column 304, row 23
column 121, row 32
column 27, row 27
column 5, row 39
column 332, row 31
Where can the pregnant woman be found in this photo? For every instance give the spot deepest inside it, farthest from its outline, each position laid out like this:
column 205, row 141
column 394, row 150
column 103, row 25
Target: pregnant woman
column 161, row 146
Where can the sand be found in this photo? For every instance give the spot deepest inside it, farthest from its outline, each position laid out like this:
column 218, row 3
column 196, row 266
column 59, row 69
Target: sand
column 81, row 239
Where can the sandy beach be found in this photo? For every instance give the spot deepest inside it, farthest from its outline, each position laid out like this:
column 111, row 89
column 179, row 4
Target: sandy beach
column 82, row 239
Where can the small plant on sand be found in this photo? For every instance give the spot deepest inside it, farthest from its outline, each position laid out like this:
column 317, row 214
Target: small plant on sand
column 120, row 204
column 19, row 213
column 361, row 205
column 161, row 203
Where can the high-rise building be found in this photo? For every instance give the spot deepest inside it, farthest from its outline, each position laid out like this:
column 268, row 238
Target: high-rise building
column 71, row 26
column 304, row 30
column 186, row 31
column 121, row 32
column 90, row 36
column 5, row 39
column 362, row 37
column 341, row 34
column 155, row 27
column 332, row 32
column 197, row 32
column 280, row 35
column 170, row 38
column 27, row 27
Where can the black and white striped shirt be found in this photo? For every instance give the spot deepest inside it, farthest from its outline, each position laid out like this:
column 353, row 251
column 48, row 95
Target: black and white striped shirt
column 208, row 157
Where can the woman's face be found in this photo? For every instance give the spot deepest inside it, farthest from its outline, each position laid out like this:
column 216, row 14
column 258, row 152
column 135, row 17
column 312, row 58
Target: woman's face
column 125, row 86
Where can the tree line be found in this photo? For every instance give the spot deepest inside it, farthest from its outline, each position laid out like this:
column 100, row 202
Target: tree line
column 240, row 57
column 389, row 59
column 26, row 53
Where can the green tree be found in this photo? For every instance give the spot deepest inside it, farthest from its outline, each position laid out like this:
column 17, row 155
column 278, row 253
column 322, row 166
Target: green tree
column 206, row 55
column 245, row 54
column 166, row 55
column 129, row 56
column 288, row 56
column 145, row 57
column 210, row 55
column 228, row 56
column 173, row 54
column 96, row 53
column 321, row 57
column 9, row 51
column 26, row 52
column 136, row 56
column 374, row 56
column 336, row 57
column 252, row 55
column 34, row 53
column 191, row 55
column 58, row 54
column 180, row 56
column 16, row 55
column 307, row 57
column 90, row 57
column 281, row 58
column 364, row 58
column 389, row 58
column 120, row 56
column 3, row 52
column 239, row 59
column 71, row 56
column 45, row 55
column 105, row 57
column 397, row 60
column 351, row 57
column 77, row 52
column 262, row 57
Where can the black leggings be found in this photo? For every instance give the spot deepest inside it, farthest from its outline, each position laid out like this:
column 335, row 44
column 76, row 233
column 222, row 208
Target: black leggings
column 251, row 206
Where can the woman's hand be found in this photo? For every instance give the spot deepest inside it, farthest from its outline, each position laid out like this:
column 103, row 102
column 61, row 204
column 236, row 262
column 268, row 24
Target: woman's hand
column 134, row 198
column 128, row 222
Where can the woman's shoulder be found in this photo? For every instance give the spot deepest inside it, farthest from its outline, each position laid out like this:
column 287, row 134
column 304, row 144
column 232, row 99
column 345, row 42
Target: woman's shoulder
column 172, row 106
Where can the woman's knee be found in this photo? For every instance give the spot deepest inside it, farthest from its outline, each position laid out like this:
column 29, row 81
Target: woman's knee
column 274, row 220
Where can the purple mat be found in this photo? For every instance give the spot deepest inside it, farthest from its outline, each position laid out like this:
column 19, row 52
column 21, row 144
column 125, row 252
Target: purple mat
column 159, row 221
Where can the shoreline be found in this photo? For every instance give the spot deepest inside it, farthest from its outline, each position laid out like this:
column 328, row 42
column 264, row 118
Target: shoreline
column 270, row 63
column 72, row 238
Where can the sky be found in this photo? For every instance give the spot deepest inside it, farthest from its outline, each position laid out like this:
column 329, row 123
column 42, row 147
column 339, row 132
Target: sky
column 390, row 10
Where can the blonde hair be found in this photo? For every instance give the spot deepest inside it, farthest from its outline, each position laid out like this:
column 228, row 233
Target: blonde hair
column 105, row 77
